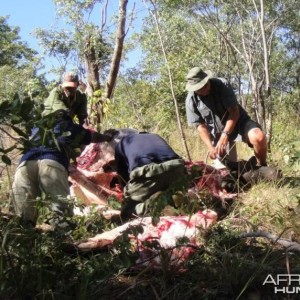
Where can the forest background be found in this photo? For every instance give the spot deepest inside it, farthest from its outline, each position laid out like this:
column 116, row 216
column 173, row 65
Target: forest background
column 253, row 44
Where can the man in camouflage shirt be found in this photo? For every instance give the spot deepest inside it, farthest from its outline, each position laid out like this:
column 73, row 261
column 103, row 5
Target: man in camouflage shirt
column 68, row 97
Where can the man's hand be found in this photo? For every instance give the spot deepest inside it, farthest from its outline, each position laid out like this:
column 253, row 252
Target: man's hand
column 107, row 136
column 222, row 145
column 100, row 138
column 110, row 133
column 205, row 136
column 213, row 153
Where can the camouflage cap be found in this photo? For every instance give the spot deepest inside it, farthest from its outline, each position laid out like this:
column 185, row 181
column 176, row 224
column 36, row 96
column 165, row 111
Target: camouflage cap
column 197, row 78
column 70, row 79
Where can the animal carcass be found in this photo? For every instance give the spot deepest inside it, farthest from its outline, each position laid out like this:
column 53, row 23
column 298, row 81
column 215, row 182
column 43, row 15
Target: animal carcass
column 178, row 235
column 93, row 179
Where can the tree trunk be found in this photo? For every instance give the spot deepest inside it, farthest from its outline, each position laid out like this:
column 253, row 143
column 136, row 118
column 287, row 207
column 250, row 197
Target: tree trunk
column 268, row 94
column 115, row 64
column 183, row 139
column 91, row 66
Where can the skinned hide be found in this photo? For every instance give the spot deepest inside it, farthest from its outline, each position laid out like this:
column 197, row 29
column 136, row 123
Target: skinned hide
column 167, row 235
column 93, row 184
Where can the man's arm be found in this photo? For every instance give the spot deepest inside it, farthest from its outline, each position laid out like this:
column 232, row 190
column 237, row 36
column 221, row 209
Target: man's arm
column 193, row 115
column 233, row 117
column 81, row 110
column 100, row 138
column 121, row 165
column 220, row 149
column 54, row 102
column 205, row 137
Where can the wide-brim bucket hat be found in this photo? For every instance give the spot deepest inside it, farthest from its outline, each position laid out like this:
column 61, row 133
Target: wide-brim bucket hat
column 197, row 79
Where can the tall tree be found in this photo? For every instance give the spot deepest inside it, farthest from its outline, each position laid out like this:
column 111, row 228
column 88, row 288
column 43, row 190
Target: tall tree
column 89, row 44
column 20, row 88
column 237, row 40
column 14, row 52
column 115, row 64
column 18, row 62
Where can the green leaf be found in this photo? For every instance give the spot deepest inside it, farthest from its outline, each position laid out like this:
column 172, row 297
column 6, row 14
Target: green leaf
column 26, row 108
column 6, row 159
column 19, row 131
column 16, row 100
column 98, row 93
column 4, row 106
column 16, row 119
column 9, row 149
column 155, row 220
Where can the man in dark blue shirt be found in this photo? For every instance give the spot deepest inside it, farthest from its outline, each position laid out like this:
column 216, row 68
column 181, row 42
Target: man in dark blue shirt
column 43, row 169
column 211, row 105
column 146, row 164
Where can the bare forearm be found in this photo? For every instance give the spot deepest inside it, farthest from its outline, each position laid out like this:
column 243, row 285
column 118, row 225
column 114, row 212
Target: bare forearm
column 233, row 117
column 205, row 137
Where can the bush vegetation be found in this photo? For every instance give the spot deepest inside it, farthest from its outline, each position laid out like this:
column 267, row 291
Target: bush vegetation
column 38, row 264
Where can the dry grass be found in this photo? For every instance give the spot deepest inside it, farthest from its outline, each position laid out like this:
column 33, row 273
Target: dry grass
column 227, row 267
column 197, row 149
column 272, row 208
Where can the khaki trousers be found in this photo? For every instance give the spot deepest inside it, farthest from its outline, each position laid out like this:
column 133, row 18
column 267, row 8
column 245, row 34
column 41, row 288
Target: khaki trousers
column 149, row 179
column 34, row 178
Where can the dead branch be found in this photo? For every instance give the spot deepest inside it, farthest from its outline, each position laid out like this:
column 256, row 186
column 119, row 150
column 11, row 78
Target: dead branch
column 288, row 244
column 115, row 64
column 183, row 139
column 104, row 15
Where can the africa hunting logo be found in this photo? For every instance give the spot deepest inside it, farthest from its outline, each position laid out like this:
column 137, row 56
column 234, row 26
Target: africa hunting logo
column 284, row 283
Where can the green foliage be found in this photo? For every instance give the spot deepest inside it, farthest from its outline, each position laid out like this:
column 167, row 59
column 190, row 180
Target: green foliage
column 81, row 42
column 209, row 35
column 20, row 115
column 43, row 265
column 17, row 117
column 99, row 106
column 141, row 105
column 32, row 264
column 59, row 44
column 292, row 155
column 13, row 51
column 37, row 265
column 245, row 265
column 18, row 65
column 285, row 146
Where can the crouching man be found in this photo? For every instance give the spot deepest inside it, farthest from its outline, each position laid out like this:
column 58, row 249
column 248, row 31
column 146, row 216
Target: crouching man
column 43, row 169
column 146, row 164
